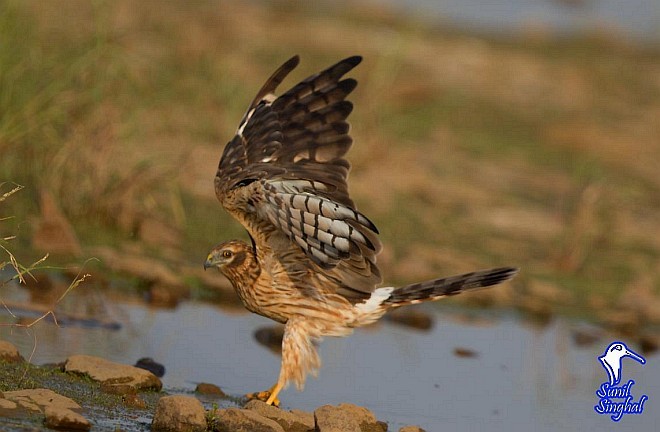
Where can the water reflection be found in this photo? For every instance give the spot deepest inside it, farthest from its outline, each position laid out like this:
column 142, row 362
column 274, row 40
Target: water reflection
column 469, row 370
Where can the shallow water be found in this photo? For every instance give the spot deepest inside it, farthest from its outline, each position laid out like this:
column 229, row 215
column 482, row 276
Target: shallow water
column 636, row 18
column 522, row 377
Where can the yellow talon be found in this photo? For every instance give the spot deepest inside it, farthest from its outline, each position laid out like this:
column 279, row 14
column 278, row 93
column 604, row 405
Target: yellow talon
column 274, row 391
column 269, row 396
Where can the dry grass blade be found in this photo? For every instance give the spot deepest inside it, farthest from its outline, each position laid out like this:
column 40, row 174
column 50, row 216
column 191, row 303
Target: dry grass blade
column 7, row 194
column 19, row 274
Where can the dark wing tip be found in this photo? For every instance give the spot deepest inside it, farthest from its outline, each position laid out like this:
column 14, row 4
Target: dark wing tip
column 291, row 63
column 354, row 60
column 510, row 271
column 347, row 85
column 502, row 274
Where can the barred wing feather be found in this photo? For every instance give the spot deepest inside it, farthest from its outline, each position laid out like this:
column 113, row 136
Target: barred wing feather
column 285, row 171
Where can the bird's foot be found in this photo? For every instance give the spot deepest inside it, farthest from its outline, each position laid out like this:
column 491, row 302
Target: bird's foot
column 265, row 397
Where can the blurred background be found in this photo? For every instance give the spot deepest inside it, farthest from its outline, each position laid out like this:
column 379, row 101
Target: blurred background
column 511, row 132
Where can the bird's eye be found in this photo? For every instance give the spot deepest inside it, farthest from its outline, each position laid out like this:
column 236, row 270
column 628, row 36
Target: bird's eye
column 226, row 254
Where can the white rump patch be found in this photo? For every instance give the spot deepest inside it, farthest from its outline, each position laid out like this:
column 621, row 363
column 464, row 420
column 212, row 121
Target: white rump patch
column 377, row 298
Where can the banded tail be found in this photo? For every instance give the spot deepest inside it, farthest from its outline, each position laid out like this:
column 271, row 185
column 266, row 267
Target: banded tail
column 452, row 285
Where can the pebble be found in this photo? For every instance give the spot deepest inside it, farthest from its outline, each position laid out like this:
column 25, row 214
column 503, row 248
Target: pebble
column 147, row 363
column 411, row 429
column 134, row 401
column 65, row 419
column 209, row 389
column 242, row 420
column 115, row 378
column 179, row 414
column 59, row 411
column 346, row 418
column 290, row 421
column 9, row 353
column 465, row 352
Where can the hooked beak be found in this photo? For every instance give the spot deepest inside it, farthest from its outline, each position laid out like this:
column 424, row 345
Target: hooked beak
column 209, row 262
column 633, row 355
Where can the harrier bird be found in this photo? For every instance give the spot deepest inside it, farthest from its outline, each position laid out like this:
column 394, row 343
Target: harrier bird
column 312, row 261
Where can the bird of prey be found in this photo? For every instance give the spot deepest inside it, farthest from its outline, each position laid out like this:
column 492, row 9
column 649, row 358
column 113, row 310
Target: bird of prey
column 311, row 264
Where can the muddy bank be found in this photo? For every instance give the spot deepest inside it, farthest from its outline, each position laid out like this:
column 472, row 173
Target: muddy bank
column 91, row 393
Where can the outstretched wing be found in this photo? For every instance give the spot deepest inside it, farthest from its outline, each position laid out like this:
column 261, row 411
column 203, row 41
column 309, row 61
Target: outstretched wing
column 284, row 175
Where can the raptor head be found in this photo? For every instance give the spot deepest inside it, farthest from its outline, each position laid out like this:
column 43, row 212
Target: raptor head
column 228, row 256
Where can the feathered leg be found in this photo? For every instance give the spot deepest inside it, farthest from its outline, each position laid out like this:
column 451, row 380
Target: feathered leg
column 299, row 358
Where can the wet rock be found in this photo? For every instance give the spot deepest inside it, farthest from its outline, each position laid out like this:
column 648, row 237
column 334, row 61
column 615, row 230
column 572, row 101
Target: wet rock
column 412, row 318
column 9, row 353
column 59, row 411
column 53, row 232
column 65, row 419
column 290, row 422
column 209, row 389
column 147, row 363
column 179, row 413
column 305, row 417
column 411, row 429
column 242, row 420
column 346, row 418
column 9, row 409
column 465, row 352
column 114, row 377
column 134, row 401
column 38, row 399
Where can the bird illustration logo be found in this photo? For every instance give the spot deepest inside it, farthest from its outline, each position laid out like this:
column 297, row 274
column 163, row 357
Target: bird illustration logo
column 611, row 360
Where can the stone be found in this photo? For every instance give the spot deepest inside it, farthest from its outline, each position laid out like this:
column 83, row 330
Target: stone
column 411, row 429
column 290, row 422
column 65, row 419
column 9, row 353
column 304, row 417
column 59, row 411
column 346, row 418
column 38, row 399
column 147, row 363
column 114, row 377
column 209, row 389
column 9, row 408
column 465, row 352
column 133, row 401
column 180, row 414
column 242, row 420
